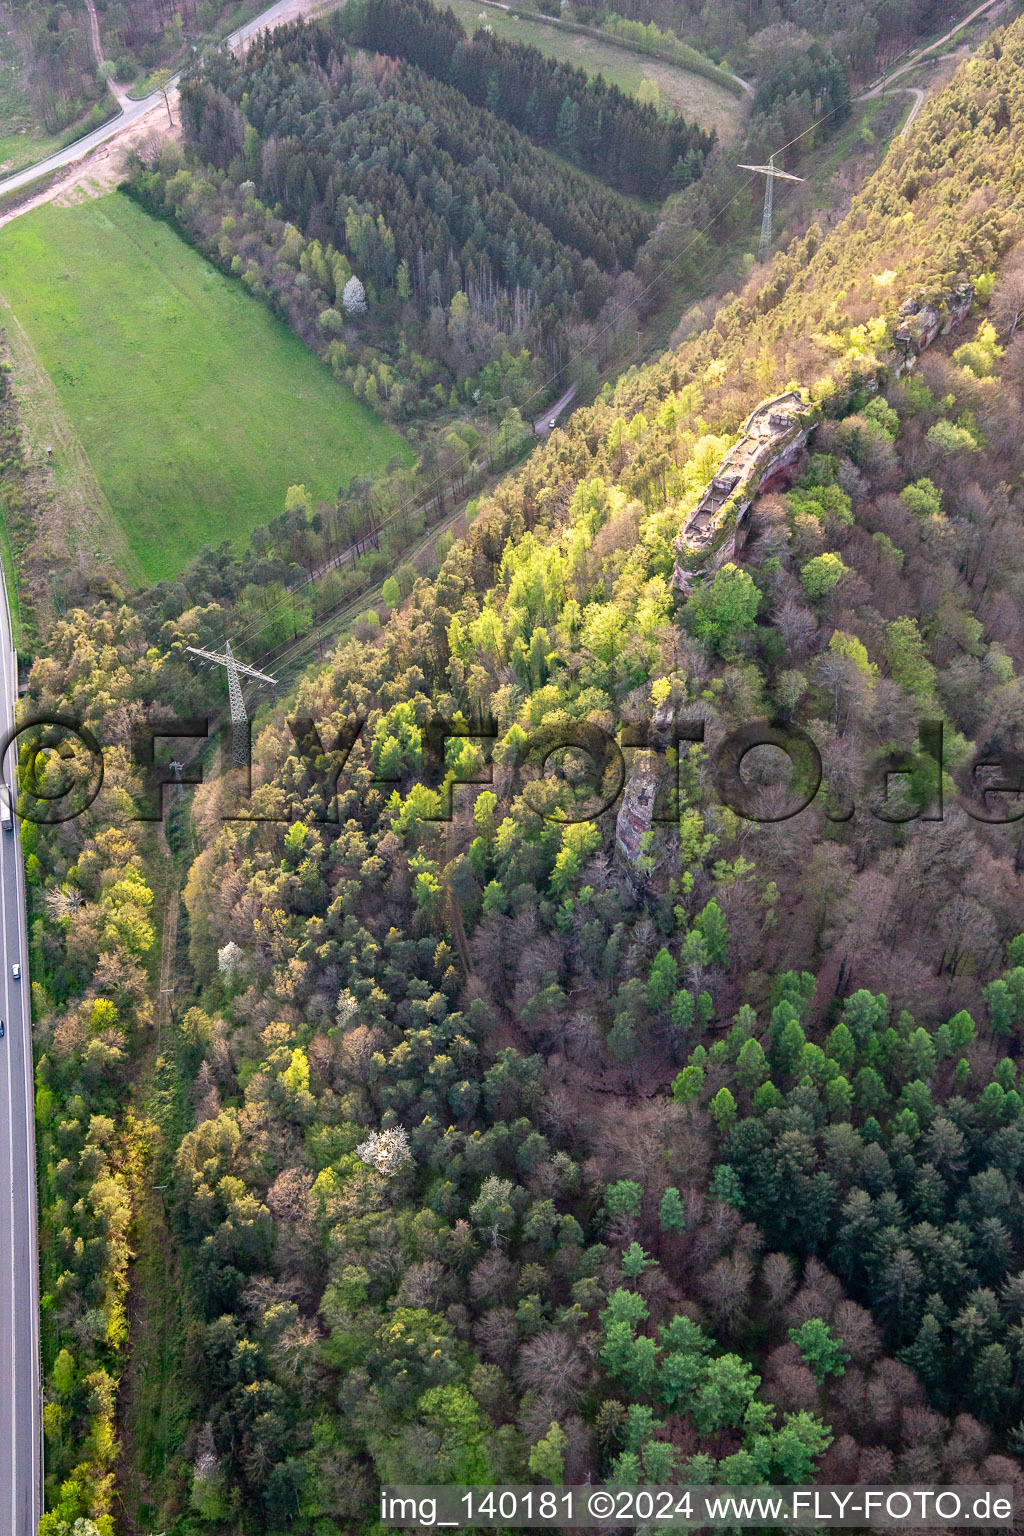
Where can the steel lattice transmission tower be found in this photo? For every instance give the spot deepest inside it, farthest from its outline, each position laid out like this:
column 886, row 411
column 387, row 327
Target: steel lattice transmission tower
column 239, row 718
column 770, row 172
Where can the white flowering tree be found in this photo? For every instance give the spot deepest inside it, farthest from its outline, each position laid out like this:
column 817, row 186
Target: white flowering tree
column 228, row 959
column 387, row 1151
column 348, row 1009
column 353, row 297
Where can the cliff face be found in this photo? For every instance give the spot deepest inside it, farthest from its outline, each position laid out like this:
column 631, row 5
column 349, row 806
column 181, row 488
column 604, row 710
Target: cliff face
column 647, row 775
column 921, row 323
column 774, row 434
column 636, row 813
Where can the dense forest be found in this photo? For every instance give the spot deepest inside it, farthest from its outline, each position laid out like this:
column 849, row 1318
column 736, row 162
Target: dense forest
column 60, row 72
column 484, row 267
column 431, row 254
column 446, row 177
column 463, row 267
column 866, row 36
column 404, row 352
column 622, row 140
column 140, row 34
column 488, row 1152
column 145, row 27
column 459, row 270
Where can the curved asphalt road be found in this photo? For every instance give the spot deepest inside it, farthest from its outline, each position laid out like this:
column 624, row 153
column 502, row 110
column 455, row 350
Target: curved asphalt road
column 542, row 426
column 130, row 112
column 21, row 1468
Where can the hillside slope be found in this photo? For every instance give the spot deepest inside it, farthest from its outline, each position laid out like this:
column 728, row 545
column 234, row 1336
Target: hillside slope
column 446, row 1205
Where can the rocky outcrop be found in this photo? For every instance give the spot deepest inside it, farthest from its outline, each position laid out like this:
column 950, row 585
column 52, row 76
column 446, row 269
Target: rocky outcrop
column 636, row 812
column 776, row 432
column 773, row 436
column 920, row 323
column 649, row 773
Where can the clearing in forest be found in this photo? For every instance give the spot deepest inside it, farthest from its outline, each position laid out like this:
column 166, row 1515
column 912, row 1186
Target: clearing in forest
column 21, row 140
column 197, row 408
column 698, row 99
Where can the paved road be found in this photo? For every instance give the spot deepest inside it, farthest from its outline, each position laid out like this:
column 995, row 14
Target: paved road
column 541, row 425
column 20, row 1399
column 131, row 111
column 885, row 86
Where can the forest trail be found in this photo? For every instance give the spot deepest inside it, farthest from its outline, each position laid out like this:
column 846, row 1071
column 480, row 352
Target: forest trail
column 919, row 100
column 97, row 49
column 169, row 939
column 149, row 1397
column 883, row 85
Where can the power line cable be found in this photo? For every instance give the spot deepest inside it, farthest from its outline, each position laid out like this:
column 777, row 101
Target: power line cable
column 437, row 483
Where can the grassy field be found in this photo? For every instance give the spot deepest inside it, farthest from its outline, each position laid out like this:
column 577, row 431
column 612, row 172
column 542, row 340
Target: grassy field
column 703, row 101
column 196, row 407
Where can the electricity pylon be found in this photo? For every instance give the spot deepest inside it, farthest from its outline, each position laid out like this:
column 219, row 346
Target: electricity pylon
column 769, row 172
column 239, row 718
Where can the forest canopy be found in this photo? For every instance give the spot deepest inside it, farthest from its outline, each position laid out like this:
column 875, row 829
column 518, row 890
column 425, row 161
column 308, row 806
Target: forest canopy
column 626, row 142
column 492, row 1150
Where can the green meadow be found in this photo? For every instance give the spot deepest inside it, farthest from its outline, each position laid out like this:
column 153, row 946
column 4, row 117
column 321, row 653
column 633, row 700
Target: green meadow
column 196, row 407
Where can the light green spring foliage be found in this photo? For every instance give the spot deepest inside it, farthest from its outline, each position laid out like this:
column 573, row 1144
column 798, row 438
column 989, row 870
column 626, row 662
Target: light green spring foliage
column 822, row 574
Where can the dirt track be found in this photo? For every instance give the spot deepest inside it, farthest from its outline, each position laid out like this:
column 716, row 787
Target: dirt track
column 101, row 170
